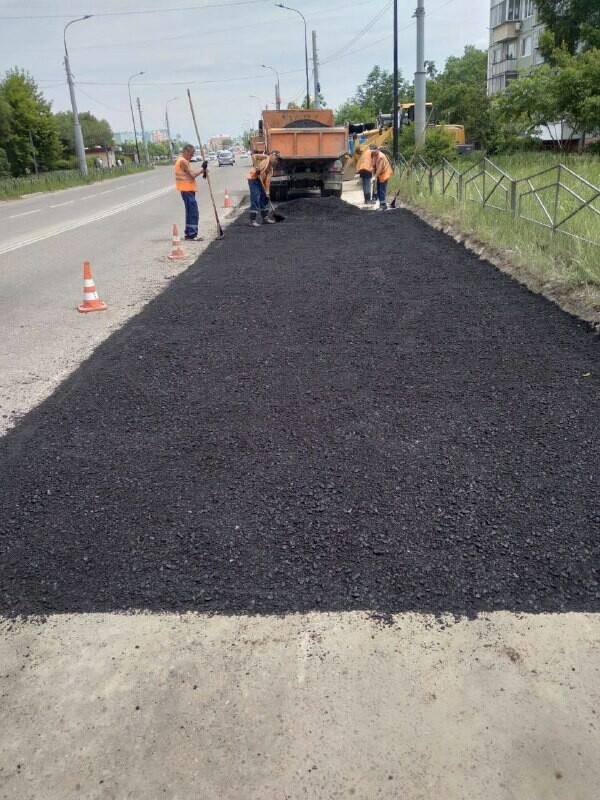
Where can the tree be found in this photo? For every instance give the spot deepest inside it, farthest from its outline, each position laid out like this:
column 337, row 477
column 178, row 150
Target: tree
column 374, row 95
column 560, row 94
column 29, row 115
column 459, row 93
column 96, row 132
column 575, row 23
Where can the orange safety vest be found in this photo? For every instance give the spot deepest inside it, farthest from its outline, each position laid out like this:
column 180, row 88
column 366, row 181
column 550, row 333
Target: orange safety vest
column 383, row 168
column 183, row 180
column 365, row 162
column 264, row 172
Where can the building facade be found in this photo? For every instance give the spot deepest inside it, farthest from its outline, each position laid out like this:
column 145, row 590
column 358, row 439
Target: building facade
column 514, row 35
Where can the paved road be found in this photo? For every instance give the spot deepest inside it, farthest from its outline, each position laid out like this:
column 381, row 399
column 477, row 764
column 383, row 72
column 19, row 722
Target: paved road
column 123, row 227
column 372, row 459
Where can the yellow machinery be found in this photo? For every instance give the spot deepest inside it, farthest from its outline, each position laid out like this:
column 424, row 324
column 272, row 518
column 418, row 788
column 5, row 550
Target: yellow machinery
column 382, row 136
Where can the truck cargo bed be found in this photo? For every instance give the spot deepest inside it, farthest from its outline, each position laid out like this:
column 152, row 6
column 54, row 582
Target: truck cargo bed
column 309, row 143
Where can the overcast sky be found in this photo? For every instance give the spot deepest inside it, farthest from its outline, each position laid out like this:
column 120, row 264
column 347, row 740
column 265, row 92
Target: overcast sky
column 215, row 49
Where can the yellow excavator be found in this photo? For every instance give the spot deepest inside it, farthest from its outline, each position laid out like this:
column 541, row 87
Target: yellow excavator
column 382, row 135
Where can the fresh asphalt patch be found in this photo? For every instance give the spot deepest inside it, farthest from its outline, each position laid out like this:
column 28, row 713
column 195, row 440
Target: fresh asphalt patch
column 344, row 411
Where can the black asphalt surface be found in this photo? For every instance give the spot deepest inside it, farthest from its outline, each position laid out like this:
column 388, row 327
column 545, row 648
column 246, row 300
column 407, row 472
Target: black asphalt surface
column 347, row 410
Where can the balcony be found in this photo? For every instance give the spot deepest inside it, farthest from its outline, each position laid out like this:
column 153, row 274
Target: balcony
column 508, row 30
column 501, row 67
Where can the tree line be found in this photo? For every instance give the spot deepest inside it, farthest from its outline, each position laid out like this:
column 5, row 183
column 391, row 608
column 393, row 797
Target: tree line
column 564, row 89
column 32, row 137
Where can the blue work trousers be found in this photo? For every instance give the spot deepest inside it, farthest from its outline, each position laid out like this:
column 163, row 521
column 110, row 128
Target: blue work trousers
column 367, row 180
column 191, row 214
column 258, row 196
column 381, row 192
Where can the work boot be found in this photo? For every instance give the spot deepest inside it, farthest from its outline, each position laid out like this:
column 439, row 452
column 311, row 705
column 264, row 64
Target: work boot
column 266, row 218
column 253, row 220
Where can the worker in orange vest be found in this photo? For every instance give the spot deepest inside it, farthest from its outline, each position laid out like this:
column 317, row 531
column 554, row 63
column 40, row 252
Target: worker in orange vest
column 382, row 170
column 365, row 170
column 259, row 180
column 185, row 182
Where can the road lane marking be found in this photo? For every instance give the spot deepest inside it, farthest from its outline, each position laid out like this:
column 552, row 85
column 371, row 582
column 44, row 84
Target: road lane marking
column 86, row 221
column 25, row 213
column 87, row 197
column 108, row 191
column 58, row 205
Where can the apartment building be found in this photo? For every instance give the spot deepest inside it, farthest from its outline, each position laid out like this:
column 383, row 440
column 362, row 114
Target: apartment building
column 514, row 34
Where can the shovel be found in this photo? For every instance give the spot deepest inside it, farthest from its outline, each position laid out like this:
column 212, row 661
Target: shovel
column 277, row 217
column 210, row 191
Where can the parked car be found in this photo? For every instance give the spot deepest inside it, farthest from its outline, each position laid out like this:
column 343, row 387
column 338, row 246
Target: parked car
column 225, row 158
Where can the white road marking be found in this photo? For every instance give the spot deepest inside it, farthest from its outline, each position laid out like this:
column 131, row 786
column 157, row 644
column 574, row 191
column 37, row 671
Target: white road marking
column 108, row 191
column 58, row 205
column 85, row 221
column 25, row 213
column 87, row 197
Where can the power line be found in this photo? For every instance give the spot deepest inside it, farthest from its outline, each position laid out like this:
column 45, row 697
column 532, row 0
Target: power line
column 146, row 11
column 359, row 35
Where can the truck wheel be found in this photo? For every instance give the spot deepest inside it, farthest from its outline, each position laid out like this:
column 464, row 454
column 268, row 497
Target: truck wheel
column 336, row 192
column 325, row 192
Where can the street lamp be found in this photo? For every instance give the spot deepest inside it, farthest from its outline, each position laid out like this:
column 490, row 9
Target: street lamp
column 280, row 5
column 79, row 145
column 277, row 94
column 137, row 148
column 169, row 129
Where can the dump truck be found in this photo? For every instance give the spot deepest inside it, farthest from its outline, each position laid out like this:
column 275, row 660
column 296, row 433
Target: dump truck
column 312, row 150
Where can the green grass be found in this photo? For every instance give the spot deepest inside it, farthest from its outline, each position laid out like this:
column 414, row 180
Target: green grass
column 11, row 188
column 564, row 264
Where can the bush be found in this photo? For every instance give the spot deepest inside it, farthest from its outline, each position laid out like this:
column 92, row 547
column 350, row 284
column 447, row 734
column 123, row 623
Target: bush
column 439, row 143
column 593, row 149
column 4, row 165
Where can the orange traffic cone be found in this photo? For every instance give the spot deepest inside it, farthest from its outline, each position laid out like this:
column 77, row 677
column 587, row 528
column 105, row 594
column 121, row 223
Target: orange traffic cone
column 90, row 295
column 227, row 201
column 176, row 251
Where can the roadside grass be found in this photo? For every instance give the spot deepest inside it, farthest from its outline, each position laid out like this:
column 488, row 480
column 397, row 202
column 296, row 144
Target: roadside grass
column 12, row 188
column 563, row 266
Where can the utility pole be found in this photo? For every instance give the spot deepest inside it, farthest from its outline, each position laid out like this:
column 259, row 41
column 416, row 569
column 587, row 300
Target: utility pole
column 79, row 145
column 144, row 142
column 317, row 102
column 395, row 109
column 171, row 154
column 35, row 164
column 420, row 86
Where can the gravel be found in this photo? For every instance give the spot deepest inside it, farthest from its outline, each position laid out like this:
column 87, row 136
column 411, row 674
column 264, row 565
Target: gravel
column 347, row 410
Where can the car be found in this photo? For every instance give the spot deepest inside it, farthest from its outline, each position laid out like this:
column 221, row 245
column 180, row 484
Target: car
column 225, row 158
column 212, row 156
column 244, row 154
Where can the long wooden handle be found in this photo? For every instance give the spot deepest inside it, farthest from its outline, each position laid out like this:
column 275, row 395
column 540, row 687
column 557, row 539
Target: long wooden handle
column 212, row 197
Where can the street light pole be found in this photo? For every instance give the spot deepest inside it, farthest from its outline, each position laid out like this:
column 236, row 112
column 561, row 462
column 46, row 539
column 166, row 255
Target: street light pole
column 133, row 115
column 79, row 145
column 168, row 128
column 289, row 8
column 277, row 92
column 144, row 141
column 420, row 75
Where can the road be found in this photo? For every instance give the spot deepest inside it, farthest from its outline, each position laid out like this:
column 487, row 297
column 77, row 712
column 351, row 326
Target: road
column 320, row 522
column 123, row 228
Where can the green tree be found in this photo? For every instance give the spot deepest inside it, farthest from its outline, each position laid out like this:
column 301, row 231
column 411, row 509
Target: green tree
column 573, row 23
column 96, row 132
column 561, row 93
column 375, row 94
column 29, row 113
column 459, row 93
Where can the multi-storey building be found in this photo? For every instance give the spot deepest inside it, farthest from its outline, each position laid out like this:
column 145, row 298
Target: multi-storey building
column 514, row 34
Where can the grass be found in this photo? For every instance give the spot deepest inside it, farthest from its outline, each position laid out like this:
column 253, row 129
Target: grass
column 12, row 188
column 566, row 266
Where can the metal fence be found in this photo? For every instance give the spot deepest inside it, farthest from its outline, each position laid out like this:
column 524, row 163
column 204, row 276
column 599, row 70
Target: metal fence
column 47, row 180
column 556, row 198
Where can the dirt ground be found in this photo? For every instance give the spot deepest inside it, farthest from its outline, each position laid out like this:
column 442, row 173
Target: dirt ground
column 351, row 469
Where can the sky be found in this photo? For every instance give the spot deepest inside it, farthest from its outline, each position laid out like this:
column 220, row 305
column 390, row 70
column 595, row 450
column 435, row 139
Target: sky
column 215, row 49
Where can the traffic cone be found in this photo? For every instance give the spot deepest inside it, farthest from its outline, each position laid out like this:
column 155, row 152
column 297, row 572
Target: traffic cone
column 176, row 251
column 227, row 201
column 90, row 295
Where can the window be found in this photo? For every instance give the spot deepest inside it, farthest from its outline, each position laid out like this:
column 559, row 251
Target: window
column 514, row 9
column 526, row 46
column 528, row 9
column 497, row 54
column 498, row 14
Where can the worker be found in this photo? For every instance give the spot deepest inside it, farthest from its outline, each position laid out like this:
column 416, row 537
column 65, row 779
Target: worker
column 259, row 180
column 185, row 182
column 382, row 170
column 365, row 170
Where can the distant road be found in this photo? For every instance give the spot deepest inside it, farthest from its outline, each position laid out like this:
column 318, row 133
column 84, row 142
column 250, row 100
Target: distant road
column 123, row 228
